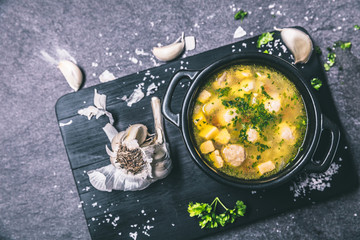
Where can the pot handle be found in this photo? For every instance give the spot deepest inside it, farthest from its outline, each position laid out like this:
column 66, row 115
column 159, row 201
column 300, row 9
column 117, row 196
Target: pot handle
column 335, row 139
column 174, row 118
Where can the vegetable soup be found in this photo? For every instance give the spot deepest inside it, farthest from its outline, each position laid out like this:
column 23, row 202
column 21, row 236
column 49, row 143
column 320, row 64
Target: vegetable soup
column 249, row 121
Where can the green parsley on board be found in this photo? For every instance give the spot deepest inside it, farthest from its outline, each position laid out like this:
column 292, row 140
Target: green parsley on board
column 342, row 45
column 318, row 50
column 264, row 39
column 316, row 83
column 240, row 15
column 330, row 60
column 208, row 216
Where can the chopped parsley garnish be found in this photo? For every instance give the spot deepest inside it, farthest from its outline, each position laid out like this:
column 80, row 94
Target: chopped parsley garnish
column 208, row 216
column 266, row 51
column 316, row 83
column 240, row 15
column 261, row 147
column 265, row 93
column 264, row 39
column 256, row 114
column 342, row 45
column 243, row 136
column 330, row 61
column 223, row 92
column 356, row 27
column 318, row 50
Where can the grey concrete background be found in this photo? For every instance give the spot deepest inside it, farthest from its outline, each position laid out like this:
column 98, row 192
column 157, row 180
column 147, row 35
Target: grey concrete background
column 38, row 197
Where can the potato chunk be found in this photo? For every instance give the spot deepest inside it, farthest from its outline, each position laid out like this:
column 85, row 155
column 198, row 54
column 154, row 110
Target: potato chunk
column 217, row 159
column 199, row 120
column 234, row 154
column 209, row 132
column 204, row 96
column 207, row 147
column 223, row 137
column 266, row 167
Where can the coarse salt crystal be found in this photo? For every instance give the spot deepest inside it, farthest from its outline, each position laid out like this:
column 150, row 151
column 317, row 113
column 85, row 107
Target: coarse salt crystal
column 240, row 32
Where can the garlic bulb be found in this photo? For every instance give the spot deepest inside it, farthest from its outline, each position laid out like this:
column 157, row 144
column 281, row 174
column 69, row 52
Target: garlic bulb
column 72, row 74
column 137, row 158
column 170, row 52
column 298, row 42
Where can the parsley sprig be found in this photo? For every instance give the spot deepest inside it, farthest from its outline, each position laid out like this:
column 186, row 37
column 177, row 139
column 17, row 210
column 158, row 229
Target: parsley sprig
column 240, row 15
column 208, row 216
column 316, row 83
column 331, row 57
column 264, row 39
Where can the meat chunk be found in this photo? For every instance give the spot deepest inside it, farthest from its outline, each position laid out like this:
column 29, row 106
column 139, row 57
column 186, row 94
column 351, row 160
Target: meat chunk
column 252, row 135
column 285, row 132
column 272, row 105
column 234, row 154
column 225, row 117
column 221, row 81
column 247, row 85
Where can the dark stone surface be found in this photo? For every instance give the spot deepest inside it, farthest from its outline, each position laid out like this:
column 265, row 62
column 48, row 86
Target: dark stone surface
column 38, row 198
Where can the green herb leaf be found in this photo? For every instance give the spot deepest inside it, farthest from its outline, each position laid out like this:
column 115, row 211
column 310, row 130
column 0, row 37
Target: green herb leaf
column 356, row 27
column 345, row 45
column 208, row 216
column 198, row 209
column 266, row 51
column 240, row 15
column 223, row 92
column 326, row 67
column 265, row 93
column 342, row 45
column 330, row 61
column 264, row 39
column 318, row 50
column 261, row 147
column 316, row 83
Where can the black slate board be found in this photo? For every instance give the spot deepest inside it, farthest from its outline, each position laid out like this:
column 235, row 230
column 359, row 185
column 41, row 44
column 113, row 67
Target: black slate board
column 160, row 211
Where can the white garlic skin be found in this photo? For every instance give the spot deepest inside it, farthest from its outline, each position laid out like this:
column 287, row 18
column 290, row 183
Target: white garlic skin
column 298, row 42
column 72, row 74
column 154, row 150
column 169, row 52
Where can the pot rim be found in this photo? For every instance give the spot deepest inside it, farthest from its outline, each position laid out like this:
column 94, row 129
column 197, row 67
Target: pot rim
column 311, row 105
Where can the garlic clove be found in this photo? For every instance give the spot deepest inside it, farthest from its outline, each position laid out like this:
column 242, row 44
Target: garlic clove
column 170, row 52
column 72, row 74
column 137, row 132
column 298, row 42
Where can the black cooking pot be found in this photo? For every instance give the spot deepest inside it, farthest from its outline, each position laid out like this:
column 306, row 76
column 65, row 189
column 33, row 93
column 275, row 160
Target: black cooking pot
column 317, row 122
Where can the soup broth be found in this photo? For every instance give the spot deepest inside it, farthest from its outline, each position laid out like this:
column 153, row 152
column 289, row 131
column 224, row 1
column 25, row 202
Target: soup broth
column 249, row 121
